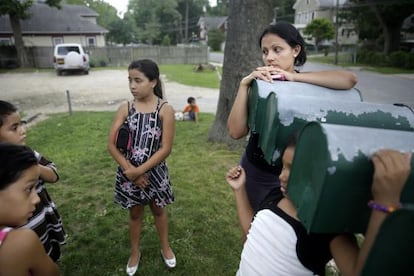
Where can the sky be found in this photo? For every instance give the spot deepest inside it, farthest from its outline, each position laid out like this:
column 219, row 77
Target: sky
column 121, row 5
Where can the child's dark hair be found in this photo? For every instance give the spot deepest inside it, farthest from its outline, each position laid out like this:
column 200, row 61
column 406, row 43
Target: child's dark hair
column 190, row 100
column 6, row 109
column 14, row 160
column 291, row 35
column 150, row 69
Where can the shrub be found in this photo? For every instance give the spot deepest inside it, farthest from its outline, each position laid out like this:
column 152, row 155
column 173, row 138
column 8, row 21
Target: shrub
column 215, row 38
column 398, row 59
column 409, row 62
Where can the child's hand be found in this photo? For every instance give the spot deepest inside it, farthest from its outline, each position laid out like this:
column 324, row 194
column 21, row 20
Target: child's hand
column 391, row 171
column 142, row 181
column 236, row 177
column 131, row 173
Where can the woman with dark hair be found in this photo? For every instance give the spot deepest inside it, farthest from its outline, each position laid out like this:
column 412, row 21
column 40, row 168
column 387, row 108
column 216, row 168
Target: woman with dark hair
column 283, row 50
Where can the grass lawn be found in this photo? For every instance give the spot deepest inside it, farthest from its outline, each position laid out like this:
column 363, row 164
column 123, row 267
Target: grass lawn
column 204, row 229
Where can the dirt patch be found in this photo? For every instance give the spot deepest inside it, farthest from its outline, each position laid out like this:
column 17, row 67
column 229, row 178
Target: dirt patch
column 103, row 90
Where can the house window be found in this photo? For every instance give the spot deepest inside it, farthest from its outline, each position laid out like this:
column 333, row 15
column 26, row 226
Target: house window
column 57, row 40
column 5, row 41
column 91, row 41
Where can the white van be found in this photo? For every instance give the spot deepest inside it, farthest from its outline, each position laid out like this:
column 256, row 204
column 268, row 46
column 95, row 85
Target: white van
column 70, row 57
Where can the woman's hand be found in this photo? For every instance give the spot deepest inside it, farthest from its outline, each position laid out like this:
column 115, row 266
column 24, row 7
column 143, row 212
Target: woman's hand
column 236, row 177
column 269, row 74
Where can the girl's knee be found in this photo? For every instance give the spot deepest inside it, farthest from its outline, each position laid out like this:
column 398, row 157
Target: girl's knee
column 157, row 211
column 136, row 212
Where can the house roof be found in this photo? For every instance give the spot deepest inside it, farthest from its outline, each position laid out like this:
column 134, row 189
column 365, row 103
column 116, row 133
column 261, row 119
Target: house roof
column 70, row 19
column 212, row 22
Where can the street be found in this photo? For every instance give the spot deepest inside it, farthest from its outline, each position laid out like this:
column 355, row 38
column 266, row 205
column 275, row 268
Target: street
column 374, row 87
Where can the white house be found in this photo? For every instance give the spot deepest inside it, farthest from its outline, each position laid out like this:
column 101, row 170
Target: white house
column 48, row 26
column 308, row 10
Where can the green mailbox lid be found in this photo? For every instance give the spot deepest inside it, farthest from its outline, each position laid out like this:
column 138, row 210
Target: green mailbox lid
column 264, row 88
column 275, row 112
column 260, row 90
column 331, row 174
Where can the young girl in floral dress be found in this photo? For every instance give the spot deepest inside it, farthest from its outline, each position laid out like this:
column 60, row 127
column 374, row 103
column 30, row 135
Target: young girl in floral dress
column 142, row 177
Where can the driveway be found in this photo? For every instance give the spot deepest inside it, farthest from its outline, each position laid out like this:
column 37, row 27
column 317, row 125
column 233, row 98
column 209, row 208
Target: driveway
column 101, row 90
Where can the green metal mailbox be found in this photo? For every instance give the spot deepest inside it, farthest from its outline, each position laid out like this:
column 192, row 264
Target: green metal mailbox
column 392, row 251
column 280, row 108
column 331, row 174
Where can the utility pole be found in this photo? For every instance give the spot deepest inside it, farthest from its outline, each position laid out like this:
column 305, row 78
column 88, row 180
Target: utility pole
column 186, row 22
column 336, row 32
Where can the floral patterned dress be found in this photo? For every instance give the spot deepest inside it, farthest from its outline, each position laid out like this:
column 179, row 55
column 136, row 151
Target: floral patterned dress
column 146, row 130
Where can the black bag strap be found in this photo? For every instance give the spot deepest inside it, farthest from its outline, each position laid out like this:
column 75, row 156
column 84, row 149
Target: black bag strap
column 126, row 119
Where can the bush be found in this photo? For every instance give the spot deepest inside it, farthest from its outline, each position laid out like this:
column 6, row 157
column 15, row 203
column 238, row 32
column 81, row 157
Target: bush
column 101, row 62
column 166, row 41
column 398, row 59
column 215, row 38
column 378, row 59
column 409, row 62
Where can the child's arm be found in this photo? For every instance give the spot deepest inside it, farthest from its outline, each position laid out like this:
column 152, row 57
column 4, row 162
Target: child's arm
column 48, row 170
column 236, row 178
column 392, row 169
column 25, row 252
column 119, row 118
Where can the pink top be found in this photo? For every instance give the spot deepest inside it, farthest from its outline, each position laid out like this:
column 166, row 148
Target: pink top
column 3, row 234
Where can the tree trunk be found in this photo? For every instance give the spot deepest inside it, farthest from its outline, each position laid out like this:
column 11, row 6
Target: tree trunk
column 246, row 22
column 391, row 28
column 18, row 40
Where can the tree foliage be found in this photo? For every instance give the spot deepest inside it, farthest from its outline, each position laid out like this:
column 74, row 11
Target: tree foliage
column 320, row 29
column 17, row 10
column 283, row 10
column 381, row 19
column 119, row 30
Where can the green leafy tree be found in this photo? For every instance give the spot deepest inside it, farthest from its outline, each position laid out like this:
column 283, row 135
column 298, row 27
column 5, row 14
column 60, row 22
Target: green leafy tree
column 221, row 9
column 119, row 31
column 320, row 29
column 122, row 31
column 18, row 10
column 380, row 17
column 190, row 11
column 155, row 19
column 283, row 10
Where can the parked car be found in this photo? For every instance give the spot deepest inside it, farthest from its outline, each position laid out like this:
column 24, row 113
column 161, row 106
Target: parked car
column 70, row 57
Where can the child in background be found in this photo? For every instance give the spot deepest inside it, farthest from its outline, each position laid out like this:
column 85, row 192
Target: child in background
column 142, row 177
column 21, row 252
column 46, row 221
column 191, row 110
